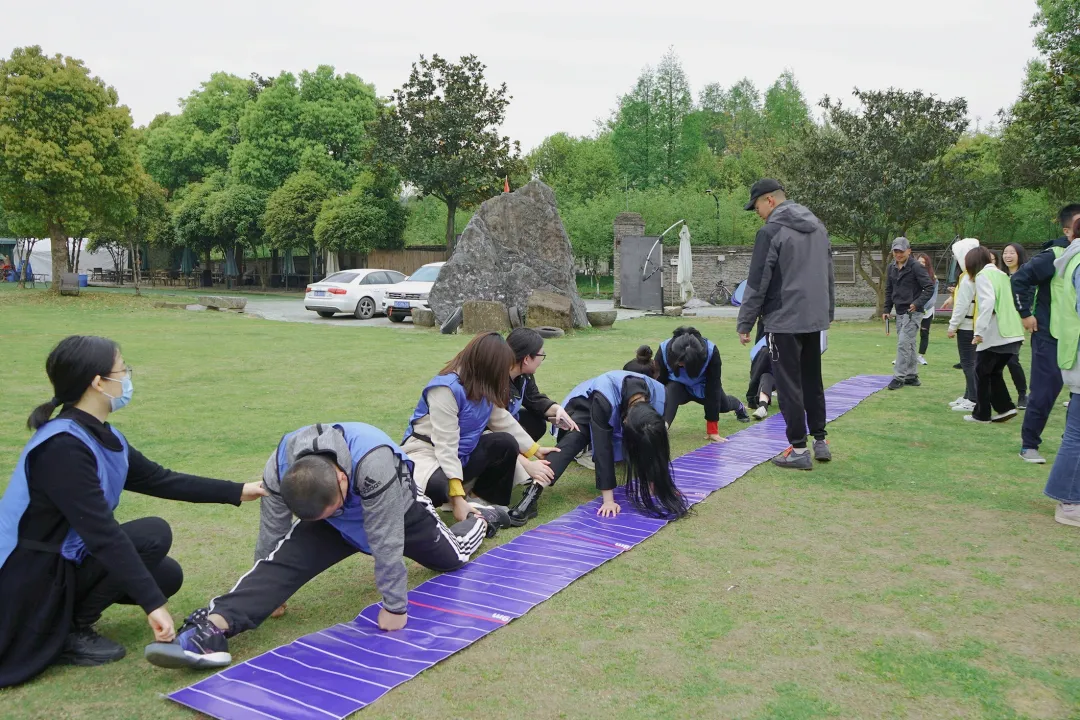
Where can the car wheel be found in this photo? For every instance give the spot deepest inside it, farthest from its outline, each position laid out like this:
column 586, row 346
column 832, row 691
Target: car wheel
column 452, row 323
column 365, row 309
column 394, row 317
column 546, row 331
column 325, row 313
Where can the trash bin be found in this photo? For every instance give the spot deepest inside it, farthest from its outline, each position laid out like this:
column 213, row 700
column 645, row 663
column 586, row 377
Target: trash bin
column 84, row 280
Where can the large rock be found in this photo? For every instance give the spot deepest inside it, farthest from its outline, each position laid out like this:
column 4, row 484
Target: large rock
column 484, row 315
column 514, row 244
column 547, row 309
column 422, row 317
column 223, row 302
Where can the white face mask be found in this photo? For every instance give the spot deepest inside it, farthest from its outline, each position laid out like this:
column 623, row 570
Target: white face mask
column 126, row 389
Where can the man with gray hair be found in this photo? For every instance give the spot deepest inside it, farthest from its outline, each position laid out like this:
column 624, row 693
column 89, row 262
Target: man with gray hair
column 908, row 286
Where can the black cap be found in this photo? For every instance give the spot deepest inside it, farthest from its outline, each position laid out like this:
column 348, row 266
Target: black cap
column 762, row 187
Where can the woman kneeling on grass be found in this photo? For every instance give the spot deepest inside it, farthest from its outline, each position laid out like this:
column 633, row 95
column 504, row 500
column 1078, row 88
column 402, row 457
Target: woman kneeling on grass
column 64, row 558
column 620, row 414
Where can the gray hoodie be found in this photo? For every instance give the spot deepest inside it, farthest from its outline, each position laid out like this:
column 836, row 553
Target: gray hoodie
column 790, row 283
column 386, row 492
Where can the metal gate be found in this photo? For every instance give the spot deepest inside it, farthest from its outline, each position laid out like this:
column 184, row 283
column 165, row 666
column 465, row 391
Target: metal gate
column 641, row 279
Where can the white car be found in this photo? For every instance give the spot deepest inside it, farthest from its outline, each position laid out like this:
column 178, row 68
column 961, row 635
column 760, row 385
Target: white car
column 412, row 293
column 360, row 292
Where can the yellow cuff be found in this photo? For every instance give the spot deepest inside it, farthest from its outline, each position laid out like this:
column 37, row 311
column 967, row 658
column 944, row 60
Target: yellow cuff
column 532, row 450
column 456, row 490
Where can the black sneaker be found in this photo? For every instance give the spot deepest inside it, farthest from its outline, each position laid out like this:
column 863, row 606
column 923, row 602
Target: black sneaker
column 896, row 384
column 527, row 509
column 741, row 415
column 822, row 453
column 498, row 517
column 793, row 460
column 913, row 381
column 1021, row 402
column 958, row 366
column 85, row 648
column 199, row 644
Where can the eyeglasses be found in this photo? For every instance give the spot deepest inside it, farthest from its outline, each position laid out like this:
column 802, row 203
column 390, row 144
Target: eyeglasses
column 540, row 355
column 127, row 370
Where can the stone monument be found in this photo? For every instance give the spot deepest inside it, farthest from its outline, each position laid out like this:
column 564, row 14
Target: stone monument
column 515, row 244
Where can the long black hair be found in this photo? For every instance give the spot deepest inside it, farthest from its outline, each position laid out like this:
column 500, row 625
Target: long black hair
column 650, row 485
column 687, row 348
column 72, row 366
column 525, row 342
column 1021, row 257
column 643, row 362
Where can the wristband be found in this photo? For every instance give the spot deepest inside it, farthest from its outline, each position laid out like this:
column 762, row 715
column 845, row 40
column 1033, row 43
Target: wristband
column 456, row 490
column 712, row 427
column 532, row 450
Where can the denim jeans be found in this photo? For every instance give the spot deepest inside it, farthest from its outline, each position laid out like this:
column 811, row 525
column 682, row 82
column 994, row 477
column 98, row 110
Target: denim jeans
column 1045, row 387
column 907, row 338
column 1063, row 484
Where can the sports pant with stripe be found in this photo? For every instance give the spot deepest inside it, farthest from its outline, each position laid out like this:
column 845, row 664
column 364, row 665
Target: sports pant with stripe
column 311, row 547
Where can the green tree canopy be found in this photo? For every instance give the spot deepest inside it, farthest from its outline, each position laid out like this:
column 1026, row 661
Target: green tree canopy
column 368, row 217
column 292, row 210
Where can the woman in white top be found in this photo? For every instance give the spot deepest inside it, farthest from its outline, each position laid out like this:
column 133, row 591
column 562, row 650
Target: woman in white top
column 960, row 324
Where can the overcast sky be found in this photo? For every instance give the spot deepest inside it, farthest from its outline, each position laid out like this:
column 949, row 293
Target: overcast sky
column 565, row 61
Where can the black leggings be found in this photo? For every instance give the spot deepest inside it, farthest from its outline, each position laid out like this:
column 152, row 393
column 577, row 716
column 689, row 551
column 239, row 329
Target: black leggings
column 1016, row 370
column 924, row 334
column 95, row 590
column 678, row 394
column 535, row 425
column 491, row 464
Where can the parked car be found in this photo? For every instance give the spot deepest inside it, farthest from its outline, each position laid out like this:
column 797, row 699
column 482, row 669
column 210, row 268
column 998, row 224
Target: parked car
column 412, row 293
column 360, row 292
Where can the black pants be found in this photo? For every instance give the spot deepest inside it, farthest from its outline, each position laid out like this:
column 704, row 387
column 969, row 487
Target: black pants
column 95, row 590
column 761, row 380
column 535, row 425
column 967, row 362
column 796, row 366
column 990, row 389
column 491, row 464
column 678, row 394
column 1046, row 385
column 1016, row 370
column 571, row 442
column 924, row 333
column 309, row 548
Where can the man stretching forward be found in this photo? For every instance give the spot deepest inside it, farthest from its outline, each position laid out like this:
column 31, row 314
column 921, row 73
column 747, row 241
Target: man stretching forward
column 351, row 488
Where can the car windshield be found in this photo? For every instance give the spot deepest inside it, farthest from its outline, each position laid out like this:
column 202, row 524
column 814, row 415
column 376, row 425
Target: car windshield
column 427, row 273
column 340, row 277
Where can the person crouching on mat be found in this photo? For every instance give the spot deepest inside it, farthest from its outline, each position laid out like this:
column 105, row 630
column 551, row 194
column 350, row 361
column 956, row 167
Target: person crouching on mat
column 351, row 488
column 446, row 438
column 689, row 369
column 64, row 558
column 759, row 393
column 620, row 414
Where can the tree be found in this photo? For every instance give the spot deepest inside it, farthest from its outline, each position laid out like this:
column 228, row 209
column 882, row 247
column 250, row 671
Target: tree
column 578, row 169
column 366, row 218
column 876, row 173
column 292, row 210
column 67, row 151
column 148, row 225
column 674, row 103
column 441, row 134
column 785, row 114
column 633, row 132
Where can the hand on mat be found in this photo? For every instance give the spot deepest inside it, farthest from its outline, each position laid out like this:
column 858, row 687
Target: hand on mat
column 744, row 338
column 563, row 421
column 1030, row 323
column 540, row 471
column 252, row 491
column 161, row 623
column 279, row 612
column 950, row 333
column 390, row 621
column 609, row 508
column 715, row 437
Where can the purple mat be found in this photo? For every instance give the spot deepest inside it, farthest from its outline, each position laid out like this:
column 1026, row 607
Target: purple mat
column 337, row 671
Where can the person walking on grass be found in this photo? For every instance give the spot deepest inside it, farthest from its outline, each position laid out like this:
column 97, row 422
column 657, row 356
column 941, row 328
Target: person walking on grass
column 929, row 310
column 1012, row 258
column 790, row 287
column 907, row 288
column 998, row 336
column 1063, row 484
column 1034, row 286
column 961, row 324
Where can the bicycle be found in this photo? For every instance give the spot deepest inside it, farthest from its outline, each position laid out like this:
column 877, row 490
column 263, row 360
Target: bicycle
column 721, row 294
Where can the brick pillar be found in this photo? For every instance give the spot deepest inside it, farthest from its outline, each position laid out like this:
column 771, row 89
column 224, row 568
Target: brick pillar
column 627, row 224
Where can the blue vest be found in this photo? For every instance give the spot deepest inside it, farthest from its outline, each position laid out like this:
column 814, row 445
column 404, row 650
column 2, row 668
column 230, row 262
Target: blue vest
column 112, row 468
column 361, row 439
column 472, row 416
column 758, row 347
column 610, row 386
column 696, row 385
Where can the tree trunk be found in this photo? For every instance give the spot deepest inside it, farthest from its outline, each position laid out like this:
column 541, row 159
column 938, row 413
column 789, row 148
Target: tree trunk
column 451, row 216
column 136, row 265
column 207, row 279
column 58, row 237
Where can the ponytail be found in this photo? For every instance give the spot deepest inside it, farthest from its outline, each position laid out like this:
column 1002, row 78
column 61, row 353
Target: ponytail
column 42, row 414
column 649, row 482
column 643, row 363
column 72, row 366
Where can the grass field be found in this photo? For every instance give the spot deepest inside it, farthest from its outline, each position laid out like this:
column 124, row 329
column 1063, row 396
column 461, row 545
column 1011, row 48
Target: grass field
column 920, row 574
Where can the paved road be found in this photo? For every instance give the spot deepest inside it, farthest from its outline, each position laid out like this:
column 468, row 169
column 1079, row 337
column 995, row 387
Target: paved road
column 292, row 310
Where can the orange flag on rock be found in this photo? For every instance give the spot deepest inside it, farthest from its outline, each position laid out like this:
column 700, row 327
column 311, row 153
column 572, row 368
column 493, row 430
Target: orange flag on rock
column 506, row 183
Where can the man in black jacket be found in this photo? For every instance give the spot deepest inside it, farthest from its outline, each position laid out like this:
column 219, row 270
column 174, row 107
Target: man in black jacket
column 908, row 286
column 1031, row 293
column 790, row 287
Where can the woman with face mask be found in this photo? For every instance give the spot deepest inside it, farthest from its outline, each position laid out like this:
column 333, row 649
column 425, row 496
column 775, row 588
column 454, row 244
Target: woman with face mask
column 60, row 543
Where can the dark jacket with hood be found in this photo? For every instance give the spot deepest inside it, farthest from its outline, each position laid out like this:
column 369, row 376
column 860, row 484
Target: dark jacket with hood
column 1031, row 285
column 790, row 285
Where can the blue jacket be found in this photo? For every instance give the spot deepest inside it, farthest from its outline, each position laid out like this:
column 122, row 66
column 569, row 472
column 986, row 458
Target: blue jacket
column 1031, row 285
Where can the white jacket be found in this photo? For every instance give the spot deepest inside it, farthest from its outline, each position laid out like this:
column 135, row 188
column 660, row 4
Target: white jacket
column 963, row 304
column 986, row 324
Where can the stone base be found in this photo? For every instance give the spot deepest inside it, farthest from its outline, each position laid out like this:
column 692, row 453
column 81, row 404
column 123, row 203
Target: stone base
column 423, row 318
column 172, row 306
column 673, row 311
column 546, row 309
column 484, row 316
column 223, row 302
column 602, row 319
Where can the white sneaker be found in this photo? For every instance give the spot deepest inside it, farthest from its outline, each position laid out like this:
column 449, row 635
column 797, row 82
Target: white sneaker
column 1065, row 404
column 585, row 460
column 761, row 412
column 1068, row 514
column 971, row 418
column 964, row 406
column 957, row 401
column 1003, row 417
column 893, row 362
column 922, row 360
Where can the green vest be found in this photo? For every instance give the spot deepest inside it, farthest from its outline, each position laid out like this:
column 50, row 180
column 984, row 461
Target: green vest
column 1008, row 319
column 1064, row 322
column 1058, row 252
